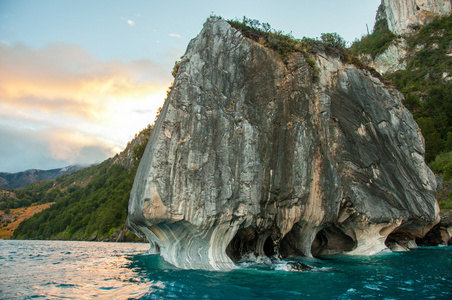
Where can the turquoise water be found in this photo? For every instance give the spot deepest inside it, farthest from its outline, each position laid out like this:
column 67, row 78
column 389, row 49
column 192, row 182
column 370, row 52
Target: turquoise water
column 87, row 270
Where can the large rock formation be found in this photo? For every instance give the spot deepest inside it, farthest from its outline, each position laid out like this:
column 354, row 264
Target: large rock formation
column 256, row 154
column 402, row 15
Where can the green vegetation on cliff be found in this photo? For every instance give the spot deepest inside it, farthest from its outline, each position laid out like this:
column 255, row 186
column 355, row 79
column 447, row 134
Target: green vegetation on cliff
column 427, row 84
column 375, row 43
column 284, row 44
column 443, row 165
column 262, row 33
column 91, row 204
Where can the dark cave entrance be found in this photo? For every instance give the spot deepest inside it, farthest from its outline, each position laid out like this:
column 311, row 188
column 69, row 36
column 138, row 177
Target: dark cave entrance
column 331, row 240
column 269, row 247
column 403, row 236
column 244, row 242
column 248, row 241
column 290, row 244
column 328, row 241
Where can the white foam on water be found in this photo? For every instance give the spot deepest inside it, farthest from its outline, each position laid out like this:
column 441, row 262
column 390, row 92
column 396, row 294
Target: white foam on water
column 250, row 260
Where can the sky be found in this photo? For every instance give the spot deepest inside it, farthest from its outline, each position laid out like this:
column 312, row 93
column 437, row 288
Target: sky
column 78, row 79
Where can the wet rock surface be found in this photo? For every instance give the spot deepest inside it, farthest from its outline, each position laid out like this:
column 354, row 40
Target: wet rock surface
column 298, row 266
column 252, row 153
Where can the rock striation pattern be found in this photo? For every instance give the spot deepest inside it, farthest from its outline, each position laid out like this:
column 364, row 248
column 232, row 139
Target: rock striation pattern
column 254, row 155
column 402, row 15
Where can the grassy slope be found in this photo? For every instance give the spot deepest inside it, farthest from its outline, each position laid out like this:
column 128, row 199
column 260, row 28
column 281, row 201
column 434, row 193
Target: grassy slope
column 10, row 221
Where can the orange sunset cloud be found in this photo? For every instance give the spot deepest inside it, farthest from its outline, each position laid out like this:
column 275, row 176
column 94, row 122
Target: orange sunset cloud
column 66, row 79
column 73, row 105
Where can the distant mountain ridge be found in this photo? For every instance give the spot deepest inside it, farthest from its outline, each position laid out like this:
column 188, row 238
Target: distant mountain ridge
column 21, row 179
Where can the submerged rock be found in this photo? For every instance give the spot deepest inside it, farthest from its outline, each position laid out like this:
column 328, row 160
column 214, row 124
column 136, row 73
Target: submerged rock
column 252, row 154
column 298, row 266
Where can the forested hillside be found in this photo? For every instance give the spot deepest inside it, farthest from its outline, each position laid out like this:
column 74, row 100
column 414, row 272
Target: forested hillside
column 90, row 204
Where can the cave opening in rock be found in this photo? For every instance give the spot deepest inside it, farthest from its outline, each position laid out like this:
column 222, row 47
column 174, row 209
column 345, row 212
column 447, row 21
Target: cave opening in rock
column 269, row 247
column 243, row 243
column 402, row 238
column 331, row 240
column 290, row 244
column 248, row 242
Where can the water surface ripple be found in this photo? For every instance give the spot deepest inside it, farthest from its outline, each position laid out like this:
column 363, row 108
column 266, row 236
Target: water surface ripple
column 87, row 270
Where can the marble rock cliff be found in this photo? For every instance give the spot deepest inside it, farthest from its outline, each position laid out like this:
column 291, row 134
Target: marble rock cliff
column 254, row 155
column 402, row 15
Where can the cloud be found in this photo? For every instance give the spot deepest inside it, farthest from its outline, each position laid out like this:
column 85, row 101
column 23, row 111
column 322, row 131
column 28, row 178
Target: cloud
column 59, row 105
column 74, row 146
column 175, row 35
column 66, row 79
column 130, row 22
column 27, row 148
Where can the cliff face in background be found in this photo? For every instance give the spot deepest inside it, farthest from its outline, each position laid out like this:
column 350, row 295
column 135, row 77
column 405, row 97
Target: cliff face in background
column 402, row 15
column 254, row 155
column 419, row 64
